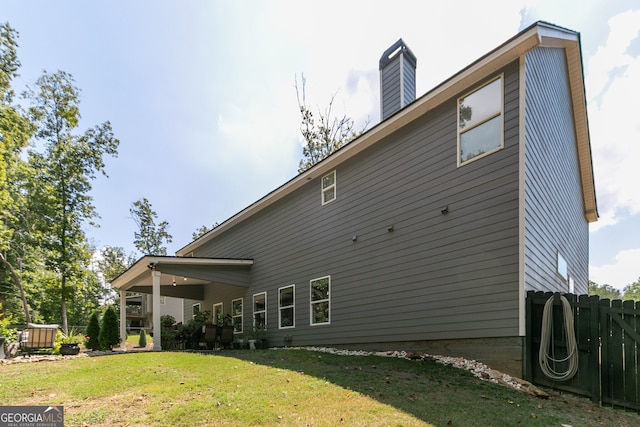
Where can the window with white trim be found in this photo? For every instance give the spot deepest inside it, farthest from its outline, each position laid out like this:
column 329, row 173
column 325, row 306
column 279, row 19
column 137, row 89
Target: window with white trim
column 236, row 315
column 260, row 310
column 329, row 188
column 562, row 268
column 287, row 307
column 195, row 309
column 480, row 122
column 218, row 314
column 320, row 300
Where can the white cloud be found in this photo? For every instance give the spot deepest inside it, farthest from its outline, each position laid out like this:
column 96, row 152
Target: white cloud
column 612, row 80
column 621, row 273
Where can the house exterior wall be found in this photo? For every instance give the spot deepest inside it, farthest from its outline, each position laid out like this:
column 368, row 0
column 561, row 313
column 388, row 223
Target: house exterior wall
column 173, row 307
column 434, row 276
column 554, row 210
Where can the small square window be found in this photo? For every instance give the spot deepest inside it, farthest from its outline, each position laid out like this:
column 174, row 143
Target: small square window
column 480, row 121
column 329, row 188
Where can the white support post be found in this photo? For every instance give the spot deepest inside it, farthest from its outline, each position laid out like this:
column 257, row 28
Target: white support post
column 156, row 310
column 123, row 320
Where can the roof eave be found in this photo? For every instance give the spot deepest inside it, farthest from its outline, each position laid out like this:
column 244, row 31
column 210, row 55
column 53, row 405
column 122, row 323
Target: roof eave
column 141, row 267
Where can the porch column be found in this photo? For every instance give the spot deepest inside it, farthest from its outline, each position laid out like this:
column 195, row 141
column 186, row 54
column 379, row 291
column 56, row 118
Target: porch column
column 123, row 320
column 155, row 295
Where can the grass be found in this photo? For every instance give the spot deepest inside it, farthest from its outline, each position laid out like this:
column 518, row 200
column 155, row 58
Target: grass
column 282, row 387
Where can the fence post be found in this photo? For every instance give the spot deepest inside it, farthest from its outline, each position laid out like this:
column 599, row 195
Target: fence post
column 594, row 350
column 527, row 369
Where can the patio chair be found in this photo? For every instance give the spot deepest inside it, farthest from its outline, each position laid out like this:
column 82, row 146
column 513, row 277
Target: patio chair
column 210, row 336
column 226, row 336
column 38, row 338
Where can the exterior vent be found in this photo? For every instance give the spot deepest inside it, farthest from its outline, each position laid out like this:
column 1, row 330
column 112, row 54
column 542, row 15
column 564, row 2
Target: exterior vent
column 397, row 79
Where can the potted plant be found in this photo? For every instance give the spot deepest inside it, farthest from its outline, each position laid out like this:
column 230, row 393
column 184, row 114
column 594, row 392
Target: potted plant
column 70, row 344
column 257, row 338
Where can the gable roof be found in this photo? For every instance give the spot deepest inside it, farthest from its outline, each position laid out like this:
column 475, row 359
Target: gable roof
column 539, row 34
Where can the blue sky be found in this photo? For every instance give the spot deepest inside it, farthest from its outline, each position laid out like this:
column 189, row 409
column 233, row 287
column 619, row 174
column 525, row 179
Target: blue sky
column 201, row 93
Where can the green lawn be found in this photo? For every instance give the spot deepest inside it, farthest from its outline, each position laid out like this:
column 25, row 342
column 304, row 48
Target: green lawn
column 282, row 387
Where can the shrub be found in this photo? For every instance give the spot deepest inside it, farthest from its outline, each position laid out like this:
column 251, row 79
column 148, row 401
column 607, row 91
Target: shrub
column 109, row 329
column 6, row 331
column 93, row 333
column 142, row 341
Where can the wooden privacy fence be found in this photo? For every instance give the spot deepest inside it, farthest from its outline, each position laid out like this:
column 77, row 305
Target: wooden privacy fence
column 607, row 342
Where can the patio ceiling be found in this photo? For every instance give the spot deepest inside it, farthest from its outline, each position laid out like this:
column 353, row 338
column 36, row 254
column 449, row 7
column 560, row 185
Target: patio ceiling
column 183, row 277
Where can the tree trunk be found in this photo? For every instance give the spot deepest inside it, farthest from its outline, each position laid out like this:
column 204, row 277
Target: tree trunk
column 18, row 281
column 63, row 305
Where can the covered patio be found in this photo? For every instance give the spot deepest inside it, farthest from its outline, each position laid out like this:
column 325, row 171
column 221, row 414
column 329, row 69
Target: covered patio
column 180, row 277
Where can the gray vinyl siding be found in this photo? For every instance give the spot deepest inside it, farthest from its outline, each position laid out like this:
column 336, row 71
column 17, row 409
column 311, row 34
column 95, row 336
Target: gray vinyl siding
column 434, row 276
column 394, row 94
column 554, row 212
column 409, row 82
column 390, row 89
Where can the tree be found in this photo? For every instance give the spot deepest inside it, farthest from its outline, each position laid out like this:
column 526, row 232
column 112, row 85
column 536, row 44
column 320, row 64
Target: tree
column 142, row 339
column 64, row 174
column 322, row 135
column 150, row 237
column 109, row 329
column 113, row 262
column 15, row 131
column 93, row 332
column 603, row 291
column 632, row 291
column 202, row 231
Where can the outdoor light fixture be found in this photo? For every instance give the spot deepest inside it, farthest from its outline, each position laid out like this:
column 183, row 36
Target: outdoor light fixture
column 354, row 237
column 390, row 228
column 174, row 282
column 444, row 210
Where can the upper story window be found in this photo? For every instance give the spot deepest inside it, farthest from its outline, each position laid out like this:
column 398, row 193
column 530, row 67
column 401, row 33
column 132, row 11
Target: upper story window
column 320, row 300
column 480, row 117
column 329, row 188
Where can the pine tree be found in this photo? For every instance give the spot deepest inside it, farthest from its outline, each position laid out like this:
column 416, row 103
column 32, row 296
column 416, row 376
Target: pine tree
column 142, row 341
column 109, row 329
column 93, row 332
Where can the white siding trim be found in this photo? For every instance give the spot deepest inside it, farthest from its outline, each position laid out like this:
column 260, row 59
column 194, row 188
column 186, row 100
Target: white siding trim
column 521, row 200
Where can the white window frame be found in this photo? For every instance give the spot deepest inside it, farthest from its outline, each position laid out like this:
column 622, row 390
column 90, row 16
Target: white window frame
column 486, row 119
column 324, row 189
column 562, row 268
column 235, row 316
column 193, row 310
column 259, row 311
column 213, row 312
column 286, row 307
column 319, row 301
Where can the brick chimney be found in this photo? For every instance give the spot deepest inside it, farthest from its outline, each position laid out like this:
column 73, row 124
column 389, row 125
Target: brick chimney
column 397, row 79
